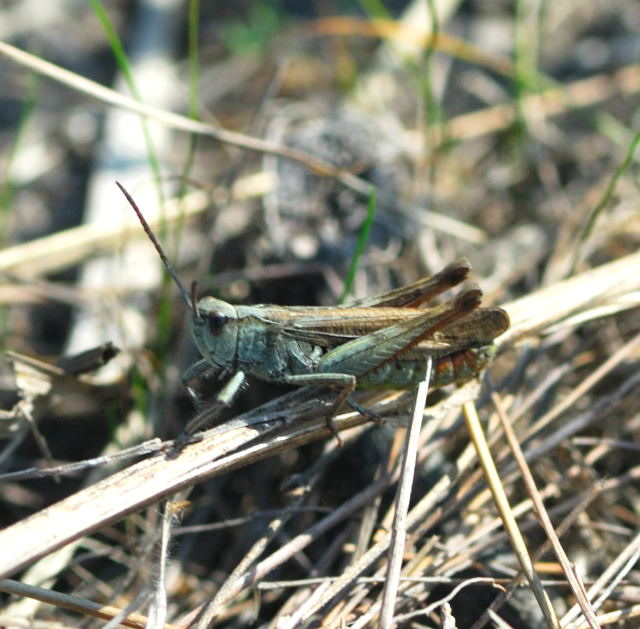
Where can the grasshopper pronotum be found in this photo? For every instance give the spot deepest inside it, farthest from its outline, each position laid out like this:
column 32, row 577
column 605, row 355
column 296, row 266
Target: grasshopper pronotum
column 380, row 342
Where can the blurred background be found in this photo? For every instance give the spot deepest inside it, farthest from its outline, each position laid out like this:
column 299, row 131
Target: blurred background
column 502, row 131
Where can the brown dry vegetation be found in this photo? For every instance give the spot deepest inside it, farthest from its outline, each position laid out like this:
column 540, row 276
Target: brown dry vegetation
column 509, row 137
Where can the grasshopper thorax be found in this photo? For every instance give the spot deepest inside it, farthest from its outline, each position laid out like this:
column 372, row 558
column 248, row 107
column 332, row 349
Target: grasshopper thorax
column 215, row 330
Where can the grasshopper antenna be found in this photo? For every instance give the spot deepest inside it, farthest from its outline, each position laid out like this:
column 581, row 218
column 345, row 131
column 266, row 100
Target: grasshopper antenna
column 194, row 298
column 189, row 298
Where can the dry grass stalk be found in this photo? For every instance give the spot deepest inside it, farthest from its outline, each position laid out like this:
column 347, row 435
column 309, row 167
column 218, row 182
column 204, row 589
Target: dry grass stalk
column 237, row 444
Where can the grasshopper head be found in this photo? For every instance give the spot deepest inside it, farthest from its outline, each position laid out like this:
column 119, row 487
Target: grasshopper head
column 215, row 332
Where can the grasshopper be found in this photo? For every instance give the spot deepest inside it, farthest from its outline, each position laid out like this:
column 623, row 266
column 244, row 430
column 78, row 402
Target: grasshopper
column 379, row 342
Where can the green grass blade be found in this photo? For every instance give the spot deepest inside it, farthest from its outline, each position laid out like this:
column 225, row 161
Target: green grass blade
column 360, row 246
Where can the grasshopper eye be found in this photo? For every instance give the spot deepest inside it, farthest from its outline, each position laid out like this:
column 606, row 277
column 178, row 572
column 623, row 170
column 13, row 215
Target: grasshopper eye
column 216, row 321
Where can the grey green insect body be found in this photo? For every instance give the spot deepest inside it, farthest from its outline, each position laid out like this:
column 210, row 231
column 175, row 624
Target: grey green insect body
column 381, row 342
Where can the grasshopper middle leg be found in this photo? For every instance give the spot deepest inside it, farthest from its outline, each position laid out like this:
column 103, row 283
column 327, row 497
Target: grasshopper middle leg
column 345, row 383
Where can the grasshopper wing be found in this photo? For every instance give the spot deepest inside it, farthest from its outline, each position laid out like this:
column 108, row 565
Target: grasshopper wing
column 476, row 329
column 369, row 352
column 421, row 291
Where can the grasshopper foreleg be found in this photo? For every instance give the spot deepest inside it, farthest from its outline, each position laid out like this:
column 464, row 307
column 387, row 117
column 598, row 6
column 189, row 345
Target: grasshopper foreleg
column 223, row 399
column 197, row 370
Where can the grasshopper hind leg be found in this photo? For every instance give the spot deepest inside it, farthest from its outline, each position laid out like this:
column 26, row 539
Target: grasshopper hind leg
column 345, row 384
column 363, row 410
column 348, row 398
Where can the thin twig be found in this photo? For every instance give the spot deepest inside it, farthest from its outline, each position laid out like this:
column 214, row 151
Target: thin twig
column 229, row 588
column 403, row 496
column 502, row 503
column 563, row 527
column 613, row 574
column 573, row 579
column 74, row 603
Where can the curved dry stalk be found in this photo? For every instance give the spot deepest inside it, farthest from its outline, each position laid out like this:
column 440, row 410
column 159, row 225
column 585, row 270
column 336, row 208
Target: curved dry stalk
column 75, row 603
column 70, row 246
column 598, row 292
column 79, row 83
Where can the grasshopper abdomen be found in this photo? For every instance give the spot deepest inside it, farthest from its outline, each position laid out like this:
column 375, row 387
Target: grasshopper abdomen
column 454, row 368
